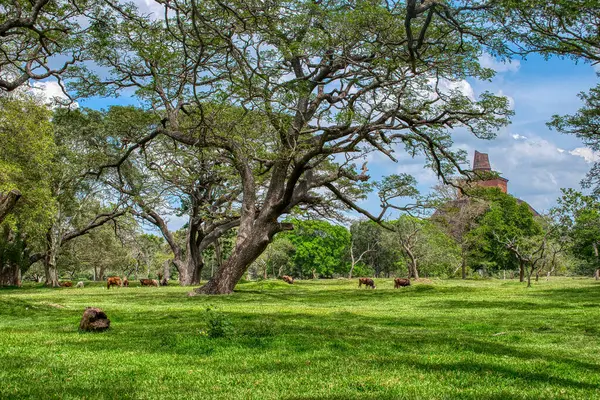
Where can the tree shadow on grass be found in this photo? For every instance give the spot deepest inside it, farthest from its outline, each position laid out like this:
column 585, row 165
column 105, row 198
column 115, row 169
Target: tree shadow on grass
column 396, row 341
column 586, row 294
column 346, row 334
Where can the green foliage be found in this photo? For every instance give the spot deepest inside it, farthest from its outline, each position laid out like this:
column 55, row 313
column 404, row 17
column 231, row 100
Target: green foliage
column 99, row 254
column 506, row 219
column 26, row 152
column 578, row 218
column 320, row 248
column 217, row 324
column 380, row 259
column 424, row 243
column 13, row 250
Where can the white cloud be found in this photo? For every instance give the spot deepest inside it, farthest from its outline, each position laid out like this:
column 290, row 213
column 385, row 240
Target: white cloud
column 151, row 7
column 586, row 153
column 446, row 86
column 535, row 165
column 487, row 61
column 51, row 93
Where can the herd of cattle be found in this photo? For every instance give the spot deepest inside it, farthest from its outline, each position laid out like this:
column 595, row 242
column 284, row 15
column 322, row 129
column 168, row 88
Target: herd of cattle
column 117, row 281
column 368, row 282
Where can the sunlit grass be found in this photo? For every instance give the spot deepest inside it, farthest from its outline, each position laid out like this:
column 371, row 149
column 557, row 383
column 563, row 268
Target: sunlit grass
column 314, row 339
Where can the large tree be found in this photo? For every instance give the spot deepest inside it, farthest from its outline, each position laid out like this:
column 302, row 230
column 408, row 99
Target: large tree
column 323, row 82
column 81, row 204
column 369, row 248
column 457, row 216
column 505, row 221
column 320, row 248
column 165, row 178
column 577, row 217
column 26, row 203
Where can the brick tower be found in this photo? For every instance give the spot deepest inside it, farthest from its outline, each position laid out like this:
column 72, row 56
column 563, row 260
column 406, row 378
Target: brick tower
column 481, row 164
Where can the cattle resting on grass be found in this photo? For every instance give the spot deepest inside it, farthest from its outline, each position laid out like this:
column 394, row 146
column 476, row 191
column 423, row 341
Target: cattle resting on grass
column 80, row 284
column 113, row 281
column 125, row 282
column 66, row 284
column 288, row 279
column 368, row 282
column 400, row 282
column 149, row 282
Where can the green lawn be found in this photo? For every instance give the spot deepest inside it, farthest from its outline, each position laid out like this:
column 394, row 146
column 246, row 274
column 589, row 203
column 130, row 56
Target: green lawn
column 313, row 340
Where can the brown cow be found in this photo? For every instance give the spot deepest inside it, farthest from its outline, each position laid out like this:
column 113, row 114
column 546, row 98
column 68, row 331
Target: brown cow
column 149, row 282
column 400, row 282
column 113, row 281
column 288, row 279
column 368, row 282
column 66, row 284
column 125, row 281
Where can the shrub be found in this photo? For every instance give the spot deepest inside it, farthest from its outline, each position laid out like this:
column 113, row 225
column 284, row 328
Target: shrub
column 217, row 324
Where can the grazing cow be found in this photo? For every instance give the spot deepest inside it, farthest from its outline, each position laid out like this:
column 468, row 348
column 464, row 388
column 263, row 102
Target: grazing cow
column 125, row 281
column 66, row 284
column 113, row 281
column 288, row 279
column 399, row 282
column 164, row 282
column 149, row 282
column 368, row 282
column 80, row 284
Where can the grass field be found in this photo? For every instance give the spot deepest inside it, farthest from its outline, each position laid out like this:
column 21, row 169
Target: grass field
column 313, row 340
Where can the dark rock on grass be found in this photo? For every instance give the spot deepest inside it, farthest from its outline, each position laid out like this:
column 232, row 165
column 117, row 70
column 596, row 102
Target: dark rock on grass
column 94, row 320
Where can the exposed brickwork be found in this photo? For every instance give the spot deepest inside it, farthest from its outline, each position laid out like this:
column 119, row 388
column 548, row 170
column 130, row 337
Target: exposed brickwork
column 481, row 162
column 499, row 183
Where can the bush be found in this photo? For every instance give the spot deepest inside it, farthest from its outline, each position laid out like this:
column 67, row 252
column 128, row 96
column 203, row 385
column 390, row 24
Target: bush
column 217, row 324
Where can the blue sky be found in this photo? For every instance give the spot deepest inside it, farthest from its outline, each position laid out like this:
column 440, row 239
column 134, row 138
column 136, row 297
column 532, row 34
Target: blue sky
column 536, row 160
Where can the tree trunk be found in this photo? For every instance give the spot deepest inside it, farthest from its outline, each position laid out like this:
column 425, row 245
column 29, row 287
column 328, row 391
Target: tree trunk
column 51, row 271
column 190, row 269
column 10, row 275
column 350, row 273
column 232, row 270
column 597, row 254
column 8, row 202
column 415, row 271
column 218, row 252
column 167, row 269
column 521, row 272
column 464, row 264
column 50, row 260
column 101, row 271
column 529, row 273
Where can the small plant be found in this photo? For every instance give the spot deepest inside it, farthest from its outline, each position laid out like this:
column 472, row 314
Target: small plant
column 217, row 324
